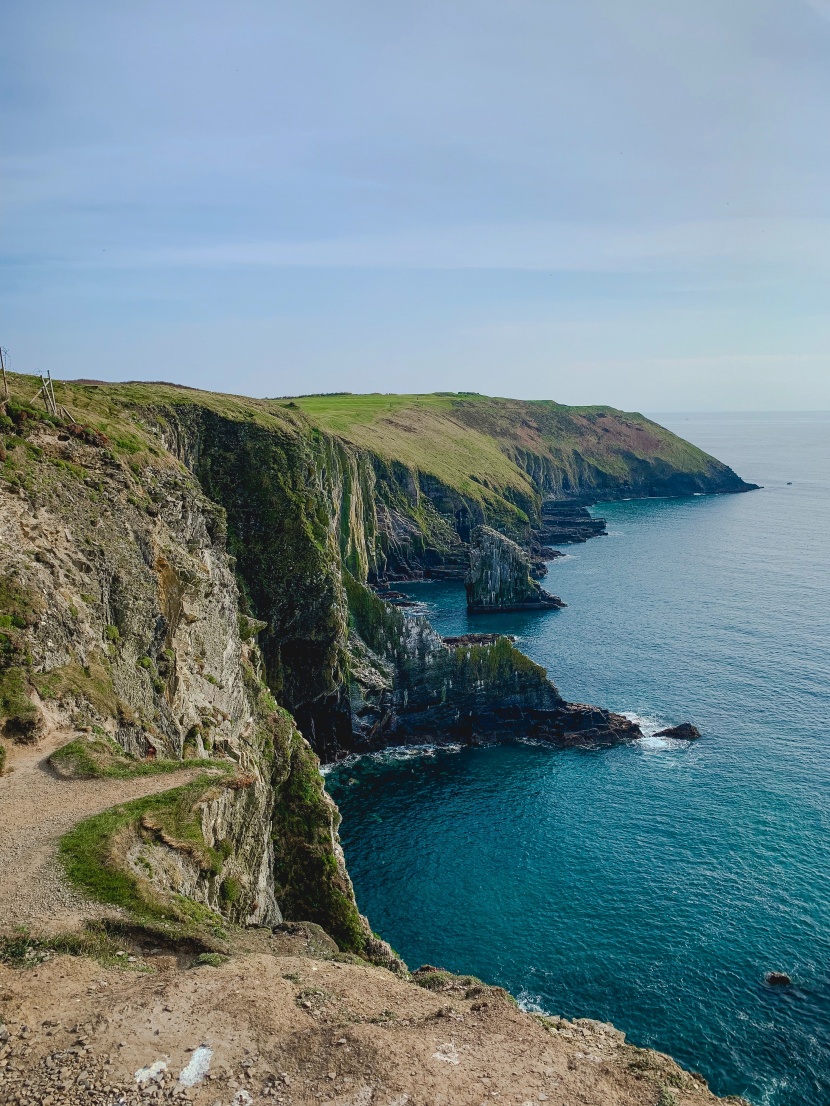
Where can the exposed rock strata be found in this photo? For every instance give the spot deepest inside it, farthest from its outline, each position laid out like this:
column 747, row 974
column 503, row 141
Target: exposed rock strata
column 499, row 577
column 121, row 616
column 566, row 523
column 412, row 686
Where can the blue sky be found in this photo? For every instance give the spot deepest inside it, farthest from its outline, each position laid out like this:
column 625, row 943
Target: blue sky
column 608, row 202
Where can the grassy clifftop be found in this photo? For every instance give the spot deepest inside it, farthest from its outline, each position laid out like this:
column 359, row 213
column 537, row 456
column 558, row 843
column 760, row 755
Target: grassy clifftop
column 499, row 453
column 476, row 442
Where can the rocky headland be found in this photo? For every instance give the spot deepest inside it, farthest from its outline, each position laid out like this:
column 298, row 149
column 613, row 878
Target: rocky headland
column 189, row 625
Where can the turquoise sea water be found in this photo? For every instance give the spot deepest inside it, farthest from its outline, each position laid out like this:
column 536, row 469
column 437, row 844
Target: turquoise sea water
column 650, row 885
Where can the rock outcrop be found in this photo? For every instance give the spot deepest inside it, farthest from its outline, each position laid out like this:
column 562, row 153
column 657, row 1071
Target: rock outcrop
column 499, row 577
column 566, row 523
column 685, row 731
column 408, row 685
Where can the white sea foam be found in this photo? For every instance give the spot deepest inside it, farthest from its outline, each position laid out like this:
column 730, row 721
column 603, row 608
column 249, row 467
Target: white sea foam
column 530, row 1003
column 395, row 753
column 650, row 726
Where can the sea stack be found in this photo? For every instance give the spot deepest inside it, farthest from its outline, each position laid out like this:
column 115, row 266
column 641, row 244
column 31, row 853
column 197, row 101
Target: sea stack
column 499, row 578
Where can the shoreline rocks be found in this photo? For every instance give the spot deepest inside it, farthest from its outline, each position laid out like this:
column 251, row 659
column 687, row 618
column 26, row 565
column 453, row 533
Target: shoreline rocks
column 568, row 523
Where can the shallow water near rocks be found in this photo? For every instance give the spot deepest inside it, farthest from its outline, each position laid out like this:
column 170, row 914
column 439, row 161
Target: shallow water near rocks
column 651, row 885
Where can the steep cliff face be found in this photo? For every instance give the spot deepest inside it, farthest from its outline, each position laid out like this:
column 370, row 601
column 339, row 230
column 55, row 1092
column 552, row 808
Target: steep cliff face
column 121, row 623
column 499, row 577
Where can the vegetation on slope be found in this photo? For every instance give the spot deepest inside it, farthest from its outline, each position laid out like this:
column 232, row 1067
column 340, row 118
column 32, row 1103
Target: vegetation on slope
column 498, row 453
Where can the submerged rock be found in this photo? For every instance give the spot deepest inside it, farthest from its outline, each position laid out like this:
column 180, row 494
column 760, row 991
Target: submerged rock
column 499, row 578
column 686, row 731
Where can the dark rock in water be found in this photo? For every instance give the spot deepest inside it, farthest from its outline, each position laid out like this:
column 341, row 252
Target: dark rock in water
column 564, row 523
column 500, row 577
column 396, row 598
column 685, row 730
column 777, row 979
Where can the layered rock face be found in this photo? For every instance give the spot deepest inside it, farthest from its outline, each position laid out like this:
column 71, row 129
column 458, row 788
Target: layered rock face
column 120, row 622
column 409, row 685
column 566, row 523
column 499, row 577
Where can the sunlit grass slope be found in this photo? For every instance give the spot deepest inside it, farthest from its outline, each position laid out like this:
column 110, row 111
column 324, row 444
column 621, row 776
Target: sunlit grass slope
column 478, row 439
column 485, row 448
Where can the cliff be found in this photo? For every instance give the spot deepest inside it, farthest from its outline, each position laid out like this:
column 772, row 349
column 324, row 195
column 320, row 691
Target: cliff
column 186, row 594
column 189, row 578
column 499, row 577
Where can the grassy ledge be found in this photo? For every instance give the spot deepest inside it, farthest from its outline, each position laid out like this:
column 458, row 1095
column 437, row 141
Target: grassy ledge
column 22, row 949
column 99, row 757
column 92, row 854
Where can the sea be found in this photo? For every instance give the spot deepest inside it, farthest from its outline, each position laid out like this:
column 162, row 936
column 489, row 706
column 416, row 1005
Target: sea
column 653, row 885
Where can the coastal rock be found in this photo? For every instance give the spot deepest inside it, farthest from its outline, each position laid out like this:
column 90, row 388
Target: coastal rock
column 777, row 979
column 500, row 577
column 686, row 731
column 568, row 523
column 410, row 685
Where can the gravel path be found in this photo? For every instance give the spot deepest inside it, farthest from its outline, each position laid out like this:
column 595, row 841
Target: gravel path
column 36, row 809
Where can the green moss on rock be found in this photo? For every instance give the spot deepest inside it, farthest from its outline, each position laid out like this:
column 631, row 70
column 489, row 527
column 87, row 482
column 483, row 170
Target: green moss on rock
column 311, row 880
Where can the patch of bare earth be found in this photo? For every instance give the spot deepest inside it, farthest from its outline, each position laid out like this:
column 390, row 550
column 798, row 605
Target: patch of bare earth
column 293, row 1030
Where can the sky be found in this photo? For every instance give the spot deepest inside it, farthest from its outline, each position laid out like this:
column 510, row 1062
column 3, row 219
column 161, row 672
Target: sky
column 593, row 201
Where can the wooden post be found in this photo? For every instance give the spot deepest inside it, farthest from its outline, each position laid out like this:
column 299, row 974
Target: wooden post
column 52, row 393
column 3, row 366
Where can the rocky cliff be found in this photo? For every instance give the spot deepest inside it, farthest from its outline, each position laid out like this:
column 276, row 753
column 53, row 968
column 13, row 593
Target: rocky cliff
column 188, row 578
column 499, row 577
column 121, row 623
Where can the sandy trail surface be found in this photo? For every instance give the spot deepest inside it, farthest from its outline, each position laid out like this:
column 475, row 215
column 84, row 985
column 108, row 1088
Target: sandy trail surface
column 36, row 808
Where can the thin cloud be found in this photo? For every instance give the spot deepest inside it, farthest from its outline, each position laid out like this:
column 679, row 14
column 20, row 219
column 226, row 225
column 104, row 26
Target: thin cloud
column 803, row 243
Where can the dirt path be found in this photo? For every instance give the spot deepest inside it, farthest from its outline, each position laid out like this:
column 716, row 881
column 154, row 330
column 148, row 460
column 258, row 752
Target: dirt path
column 36, row 809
